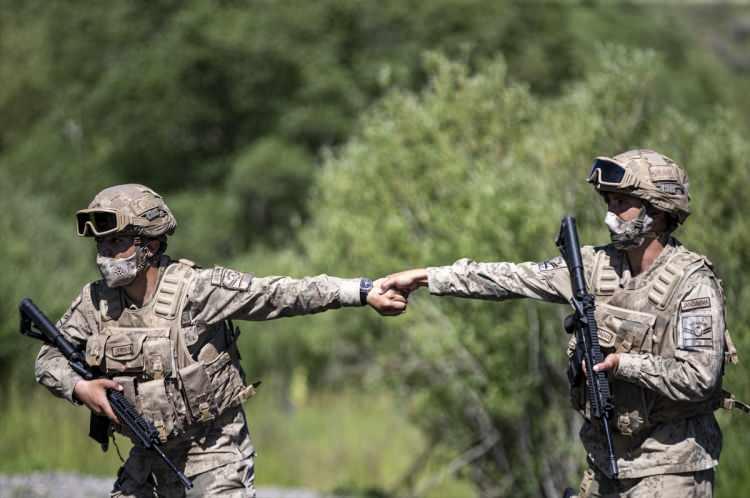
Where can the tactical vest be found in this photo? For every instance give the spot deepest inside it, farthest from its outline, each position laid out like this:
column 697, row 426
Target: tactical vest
column 175, row 375
column 639, row 318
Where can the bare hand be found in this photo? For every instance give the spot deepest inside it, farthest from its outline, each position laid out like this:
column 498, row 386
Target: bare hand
column 611, row 362
column 93, row 394
column 391, row 302
column 405, row 281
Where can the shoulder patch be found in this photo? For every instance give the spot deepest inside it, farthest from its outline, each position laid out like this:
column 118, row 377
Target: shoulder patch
column 696, row 332
column 230, row 279
column 695, row 304
column 188, row 262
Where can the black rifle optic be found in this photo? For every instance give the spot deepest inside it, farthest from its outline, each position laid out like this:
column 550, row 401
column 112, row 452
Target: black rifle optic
column 583, row 323
column 36, row 325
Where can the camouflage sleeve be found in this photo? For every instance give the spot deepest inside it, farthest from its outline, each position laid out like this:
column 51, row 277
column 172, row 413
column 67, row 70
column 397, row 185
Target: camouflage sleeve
column 694, row 372
column 219, row 294
column 548, row 280
column 51, row 368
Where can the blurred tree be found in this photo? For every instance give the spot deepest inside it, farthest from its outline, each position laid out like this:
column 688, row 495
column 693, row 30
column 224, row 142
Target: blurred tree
column 41, row 260
column 177, row 94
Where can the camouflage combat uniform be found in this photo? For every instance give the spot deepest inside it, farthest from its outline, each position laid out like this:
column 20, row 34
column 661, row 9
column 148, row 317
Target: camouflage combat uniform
column 177, row 359
column 666, row 323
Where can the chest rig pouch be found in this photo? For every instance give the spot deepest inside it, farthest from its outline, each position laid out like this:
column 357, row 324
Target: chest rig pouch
column 626, row 331
column 637, row 320
column 176, row 376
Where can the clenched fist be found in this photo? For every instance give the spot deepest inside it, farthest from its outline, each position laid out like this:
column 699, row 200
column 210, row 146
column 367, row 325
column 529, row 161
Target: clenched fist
column 386, row 302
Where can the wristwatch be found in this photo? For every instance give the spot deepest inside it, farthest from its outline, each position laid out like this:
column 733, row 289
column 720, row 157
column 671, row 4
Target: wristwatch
column 365, row 286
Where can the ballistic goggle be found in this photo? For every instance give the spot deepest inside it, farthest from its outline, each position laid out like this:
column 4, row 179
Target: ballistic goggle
column 607, row 173
column 100, row 222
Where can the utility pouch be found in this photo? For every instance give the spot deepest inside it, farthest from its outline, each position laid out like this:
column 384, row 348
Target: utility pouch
column 128, row 388
column 622, row 330
column 157, row 353
column 156, row 406
column 95, row 350
column 227, row 380
column 199, row 396
column 123, row 353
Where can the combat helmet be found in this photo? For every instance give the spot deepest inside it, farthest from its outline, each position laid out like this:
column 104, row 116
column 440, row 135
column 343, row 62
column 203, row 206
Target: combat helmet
column 647, row 175
column 129, row 209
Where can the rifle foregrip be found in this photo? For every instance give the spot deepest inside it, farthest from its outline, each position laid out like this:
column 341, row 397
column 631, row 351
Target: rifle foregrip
column 143, row 430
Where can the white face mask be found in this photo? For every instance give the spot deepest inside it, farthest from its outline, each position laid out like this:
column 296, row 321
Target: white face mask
column 118, row 272
column 629, row 234
column 614, row 222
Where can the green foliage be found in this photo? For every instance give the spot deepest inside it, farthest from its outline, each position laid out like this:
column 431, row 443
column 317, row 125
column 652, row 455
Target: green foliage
column 475, row 165
column 265, row 183
column 42, row 261
column 228, row 108
column 189, row 96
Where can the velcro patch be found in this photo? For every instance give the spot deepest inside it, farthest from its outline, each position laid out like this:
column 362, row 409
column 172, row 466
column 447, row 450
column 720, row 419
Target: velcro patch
column 126, row 350
column 670, row 188
column 606, row 338
column 694, row 304
column 230, row 279
column 696, row 332
column 662, row 173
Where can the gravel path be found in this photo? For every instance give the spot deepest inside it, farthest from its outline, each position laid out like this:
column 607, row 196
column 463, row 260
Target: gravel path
column 61, row 485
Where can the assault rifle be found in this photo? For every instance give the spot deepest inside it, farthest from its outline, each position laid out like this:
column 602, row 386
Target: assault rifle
column 583, row 323
column 36, row 325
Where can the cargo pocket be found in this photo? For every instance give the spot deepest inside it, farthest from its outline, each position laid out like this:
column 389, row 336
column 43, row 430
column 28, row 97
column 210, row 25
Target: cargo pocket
column 122, row 354
column 199, row 396
column 156, row 406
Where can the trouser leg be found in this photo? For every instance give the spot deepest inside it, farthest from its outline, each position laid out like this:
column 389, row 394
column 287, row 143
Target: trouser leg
column 233, row 480
column 684, row 485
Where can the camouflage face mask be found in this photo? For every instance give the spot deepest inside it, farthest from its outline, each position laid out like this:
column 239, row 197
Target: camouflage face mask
column 118, row 272
column 630, row 234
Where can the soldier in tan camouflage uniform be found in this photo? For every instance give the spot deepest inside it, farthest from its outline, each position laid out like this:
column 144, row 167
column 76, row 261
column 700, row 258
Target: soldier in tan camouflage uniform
column 660, row 311
column 160, row 331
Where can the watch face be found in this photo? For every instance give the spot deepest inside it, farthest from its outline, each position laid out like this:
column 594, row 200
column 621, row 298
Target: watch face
column 365, row 286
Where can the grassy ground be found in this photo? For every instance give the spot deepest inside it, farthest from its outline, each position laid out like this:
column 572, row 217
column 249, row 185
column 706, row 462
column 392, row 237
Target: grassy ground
column 352, row 441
